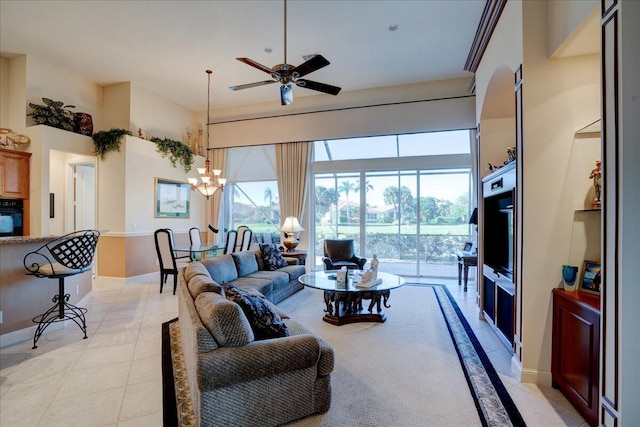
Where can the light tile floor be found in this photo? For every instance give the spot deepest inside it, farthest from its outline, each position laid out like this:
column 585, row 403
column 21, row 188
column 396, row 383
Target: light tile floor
column 114, row 377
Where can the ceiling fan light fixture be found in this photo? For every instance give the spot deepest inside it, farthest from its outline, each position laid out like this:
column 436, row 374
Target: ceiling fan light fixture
column 286, row 74
column 286, row 94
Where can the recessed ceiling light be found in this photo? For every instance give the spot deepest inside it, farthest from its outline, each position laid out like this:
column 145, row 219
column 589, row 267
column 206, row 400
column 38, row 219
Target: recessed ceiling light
column 393, row 27
column 268, row 49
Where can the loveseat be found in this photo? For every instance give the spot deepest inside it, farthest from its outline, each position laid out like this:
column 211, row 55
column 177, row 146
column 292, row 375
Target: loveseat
column 235, row 378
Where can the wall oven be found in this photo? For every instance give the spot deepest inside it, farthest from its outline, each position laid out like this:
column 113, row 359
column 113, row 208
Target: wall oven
column 11, row 216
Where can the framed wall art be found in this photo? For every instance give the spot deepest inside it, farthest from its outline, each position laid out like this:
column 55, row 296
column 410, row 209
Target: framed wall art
column 172, row 199
column 591, row 279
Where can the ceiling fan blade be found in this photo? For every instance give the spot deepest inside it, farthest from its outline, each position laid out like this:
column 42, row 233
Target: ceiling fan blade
column 256, row 84
column 286, row 94
column 320, row 87
column 311, row 65
column 257, row 65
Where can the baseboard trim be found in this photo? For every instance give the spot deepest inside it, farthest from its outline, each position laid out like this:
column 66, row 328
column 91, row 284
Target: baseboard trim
column 516, row 367
column 535, row 377
column 127, row 280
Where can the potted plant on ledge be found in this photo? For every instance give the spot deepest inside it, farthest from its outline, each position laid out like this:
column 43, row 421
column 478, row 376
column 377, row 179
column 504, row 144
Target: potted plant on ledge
column 53, row 113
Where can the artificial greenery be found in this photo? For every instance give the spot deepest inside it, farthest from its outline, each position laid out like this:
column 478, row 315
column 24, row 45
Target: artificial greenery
column 177, row 152
column 53, row 113
column 108, row 140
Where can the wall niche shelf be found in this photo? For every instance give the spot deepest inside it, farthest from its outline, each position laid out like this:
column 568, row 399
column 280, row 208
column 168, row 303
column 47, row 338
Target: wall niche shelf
column 576, row 315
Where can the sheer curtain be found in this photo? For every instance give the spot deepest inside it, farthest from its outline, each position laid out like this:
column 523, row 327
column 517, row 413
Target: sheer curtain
column 218, row 161
column 292, row 165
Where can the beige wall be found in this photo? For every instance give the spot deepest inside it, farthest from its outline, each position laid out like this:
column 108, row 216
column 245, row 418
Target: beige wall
column 560, row 96
column 4, row 92
column 117, row 106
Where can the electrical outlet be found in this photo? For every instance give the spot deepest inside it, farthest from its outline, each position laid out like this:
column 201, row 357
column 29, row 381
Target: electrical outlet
column 157, row 262
column 0, row 316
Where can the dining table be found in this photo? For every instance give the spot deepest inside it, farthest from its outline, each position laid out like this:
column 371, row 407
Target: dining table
column 204, row 249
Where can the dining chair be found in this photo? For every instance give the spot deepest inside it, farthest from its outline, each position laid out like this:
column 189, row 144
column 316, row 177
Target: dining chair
column 245, row 234
column 195, row 240
column 230, row 246
column 179, row 258
column 166, row 257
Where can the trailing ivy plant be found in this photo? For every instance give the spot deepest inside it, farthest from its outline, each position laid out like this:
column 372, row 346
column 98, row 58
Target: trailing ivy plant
column 177, row 152
column 109, row 140
column 53, row 113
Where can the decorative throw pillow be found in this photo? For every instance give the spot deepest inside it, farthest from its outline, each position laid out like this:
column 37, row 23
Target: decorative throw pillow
column 264, row 322
column 273, row 259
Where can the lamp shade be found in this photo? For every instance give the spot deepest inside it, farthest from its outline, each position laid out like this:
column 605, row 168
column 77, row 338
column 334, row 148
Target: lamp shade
column 291, row 225
column 474, row 217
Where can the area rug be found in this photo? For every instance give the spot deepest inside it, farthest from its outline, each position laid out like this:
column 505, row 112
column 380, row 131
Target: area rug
column 397, row 373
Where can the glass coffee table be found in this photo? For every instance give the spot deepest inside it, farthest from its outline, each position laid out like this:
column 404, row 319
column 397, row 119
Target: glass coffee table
column 344, row 302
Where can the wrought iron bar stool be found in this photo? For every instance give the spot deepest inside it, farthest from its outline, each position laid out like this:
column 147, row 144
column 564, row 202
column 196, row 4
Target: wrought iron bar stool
column 65, row 256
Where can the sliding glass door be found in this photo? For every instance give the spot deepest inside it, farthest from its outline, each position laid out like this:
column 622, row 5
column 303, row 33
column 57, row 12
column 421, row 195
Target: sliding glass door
column 410, row 210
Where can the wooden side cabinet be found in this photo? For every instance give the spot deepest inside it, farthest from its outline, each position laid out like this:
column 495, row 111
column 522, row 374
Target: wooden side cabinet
column 576, row 350
column 14, row 174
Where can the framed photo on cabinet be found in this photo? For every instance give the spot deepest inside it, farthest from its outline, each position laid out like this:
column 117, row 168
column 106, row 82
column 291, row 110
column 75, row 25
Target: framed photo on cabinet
column 591, row 278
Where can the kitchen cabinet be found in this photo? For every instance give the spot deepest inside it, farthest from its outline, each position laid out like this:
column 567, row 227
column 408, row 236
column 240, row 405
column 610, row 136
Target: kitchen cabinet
column 14, row 174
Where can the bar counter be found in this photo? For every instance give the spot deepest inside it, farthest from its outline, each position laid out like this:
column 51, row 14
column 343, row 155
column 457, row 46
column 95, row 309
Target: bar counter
column 22, row 297
column 27, row 239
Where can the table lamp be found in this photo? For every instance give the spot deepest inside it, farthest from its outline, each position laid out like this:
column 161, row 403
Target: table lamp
column 290, row 227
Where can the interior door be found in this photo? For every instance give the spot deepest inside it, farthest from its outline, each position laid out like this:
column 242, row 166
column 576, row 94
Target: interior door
column 84, row 197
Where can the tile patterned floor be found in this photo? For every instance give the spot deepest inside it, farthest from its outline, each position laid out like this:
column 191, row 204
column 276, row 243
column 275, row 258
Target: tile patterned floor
column 113, row 378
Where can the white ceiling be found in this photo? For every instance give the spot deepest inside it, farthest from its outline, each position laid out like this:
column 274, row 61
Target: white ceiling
column 166, row 46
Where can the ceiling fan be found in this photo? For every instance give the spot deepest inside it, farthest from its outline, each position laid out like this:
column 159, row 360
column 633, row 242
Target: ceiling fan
column 286, row 74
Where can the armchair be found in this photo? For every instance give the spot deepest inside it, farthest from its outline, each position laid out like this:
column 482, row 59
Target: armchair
column 339, row 253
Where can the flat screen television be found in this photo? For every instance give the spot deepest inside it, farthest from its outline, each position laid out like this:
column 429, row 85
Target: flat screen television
column 498, row 233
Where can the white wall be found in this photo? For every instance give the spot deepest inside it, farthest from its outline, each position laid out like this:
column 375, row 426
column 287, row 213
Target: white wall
column 58, row 187
column 136, row 191
column 504, row 49
column 43, row 140
column 49, row 81
column 564, row 18
column 159, row 116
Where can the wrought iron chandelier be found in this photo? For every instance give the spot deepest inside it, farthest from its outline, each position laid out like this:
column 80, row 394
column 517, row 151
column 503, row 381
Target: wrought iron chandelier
column 210, row 180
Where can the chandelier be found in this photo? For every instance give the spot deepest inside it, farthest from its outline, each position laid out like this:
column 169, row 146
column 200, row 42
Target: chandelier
column 210, row 180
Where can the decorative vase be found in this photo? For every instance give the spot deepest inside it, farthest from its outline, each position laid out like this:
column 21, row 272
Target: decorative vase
column 83, row 124
column 569, row 275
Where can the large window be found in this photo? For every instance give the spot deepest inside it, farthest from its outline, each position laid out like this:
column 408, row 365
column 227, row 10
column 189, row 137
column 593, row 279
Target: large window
column 254, row 204
column 410, row 207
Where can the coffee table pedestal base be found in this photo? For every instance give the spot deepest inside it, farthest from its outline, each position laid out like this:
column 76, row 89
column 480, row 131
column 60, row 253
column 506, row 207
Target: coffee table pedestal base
column 346, row 307
column 361, row 316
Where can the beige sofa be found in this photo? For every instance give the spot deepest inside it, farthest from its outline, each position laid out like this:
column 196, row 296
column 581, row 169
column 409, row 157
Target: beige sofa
column 234, row 379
